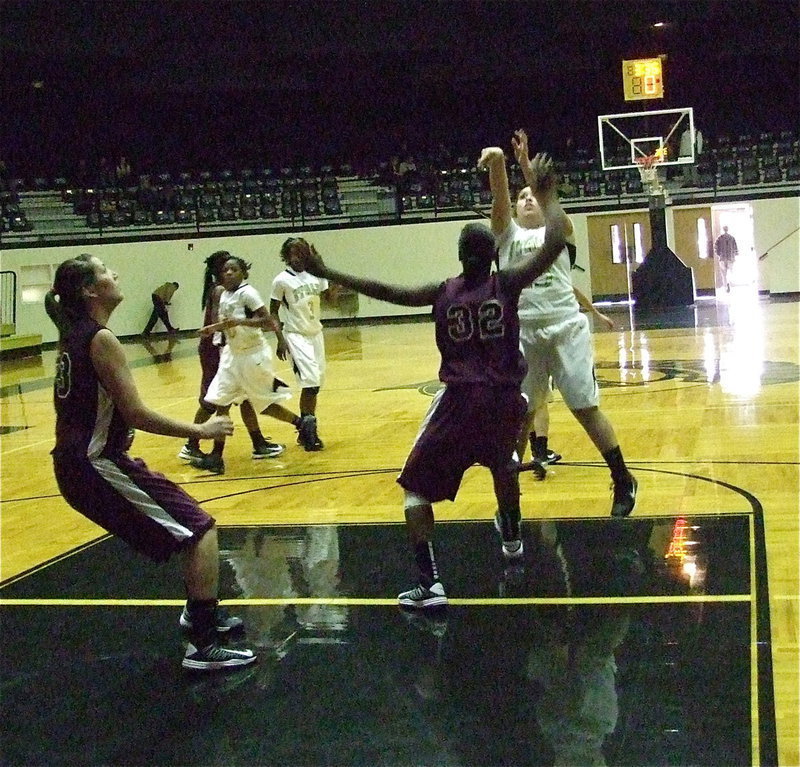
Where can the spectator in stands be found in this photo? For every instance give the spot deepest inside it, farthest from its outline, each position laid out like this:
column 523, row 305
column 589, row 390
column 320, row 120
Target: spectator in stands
column 167, row 196
column 82, row 179
column 690, row 169
column 161, row 296
column 407, row 167
column 146, row 195
column 123, row 172
column 394, row 168
column 105, row 174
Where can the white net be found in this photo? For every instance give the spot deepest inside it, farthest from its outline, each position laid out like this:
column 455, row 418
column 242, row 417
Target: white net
column 650, row 167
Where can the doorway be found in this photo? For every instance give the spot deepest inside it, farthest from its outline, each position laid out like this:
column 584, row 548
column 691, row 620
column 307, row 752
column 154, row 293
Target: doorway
column 735, row 263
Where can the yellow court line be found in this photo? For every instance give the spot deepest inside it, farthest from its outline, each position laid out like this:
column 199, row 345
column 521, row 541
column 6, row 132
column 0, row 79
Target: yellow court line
column 356, row 601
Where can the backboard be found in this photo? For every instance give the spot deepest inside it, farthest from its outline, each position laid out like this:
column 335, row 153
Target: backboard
column 630, row 135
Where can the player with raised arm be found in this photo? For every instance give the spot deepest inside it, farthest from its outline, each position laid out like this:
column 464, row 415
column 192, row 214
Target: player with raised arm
column 555, row 336
column 476, row 416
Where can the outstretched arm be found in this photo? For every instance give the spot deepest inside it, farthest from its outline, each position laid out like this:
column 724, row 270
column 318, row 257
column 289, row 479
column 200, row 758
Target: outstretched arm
column 394, row 294
column 494, row 160
column 540, row 176
column 108, row 359
column 588, row 307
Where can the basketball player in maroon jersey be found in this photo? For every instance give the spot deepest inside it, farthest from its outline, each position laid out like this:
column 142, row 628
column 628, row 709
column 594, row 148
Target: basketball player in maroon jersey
column 477, row 415
column 97, row 404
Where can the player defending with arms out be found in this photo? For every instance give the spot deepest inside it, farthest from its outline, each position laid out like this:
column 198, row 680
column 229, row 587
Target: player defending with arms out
column 245, row 367
column 476, row 417
column 555, row 335
column 294, row 305
column 97, row 404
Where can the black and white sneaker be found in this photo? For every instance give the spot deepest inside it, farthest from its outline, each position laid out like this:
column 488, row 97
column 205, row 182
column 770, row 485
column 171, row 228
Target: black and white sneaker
column 225, row 622
column 209, row 462
column 552, row 457
column 421, row 597
column 268, row 450
column 188, row 452
column 215, row 658
column 624, row 496
column 307, row 434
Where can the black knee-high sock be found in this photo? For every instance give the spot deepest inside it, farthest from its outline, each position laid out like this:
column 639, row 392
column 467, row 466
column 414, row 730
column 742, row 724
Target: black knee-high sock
column 202, row 614
column 426, row 563
column 616, row 463
column 256, row 437
column 219, row 446
column 509, row 523
column 539, row 448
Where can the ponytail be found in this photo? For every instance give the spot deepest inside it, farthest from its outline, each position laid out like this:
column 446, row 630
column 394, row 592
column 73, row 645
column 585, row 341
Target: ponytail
column 214, row 264
column 53, row 308
column 64, row 302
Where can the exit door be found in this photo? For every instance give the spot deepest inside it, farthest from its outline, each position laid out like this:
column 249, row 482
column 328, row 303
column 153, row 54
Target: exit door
column 618, row 243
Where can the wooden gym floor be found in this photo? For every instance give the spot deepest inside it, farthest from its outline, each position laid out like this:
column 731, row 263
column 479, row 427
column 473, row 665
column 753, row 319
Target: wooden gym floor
column 670, row 638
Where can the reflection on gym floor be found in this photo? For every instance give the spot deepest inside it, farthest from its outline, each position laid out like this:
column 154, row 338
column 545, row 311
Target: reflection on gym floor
column 614, row 642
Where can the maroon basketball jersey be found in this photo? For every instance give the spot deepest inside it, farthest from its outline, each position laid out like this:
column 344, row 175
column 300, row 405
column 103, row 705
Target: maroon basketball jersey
column 477, row 332
column 87, row 423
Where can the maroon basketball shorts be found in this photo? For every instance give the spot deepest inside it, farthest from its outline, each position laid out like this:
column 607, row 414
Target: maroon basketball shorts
column 209, row 363
column 465, row 424
column 144, row 508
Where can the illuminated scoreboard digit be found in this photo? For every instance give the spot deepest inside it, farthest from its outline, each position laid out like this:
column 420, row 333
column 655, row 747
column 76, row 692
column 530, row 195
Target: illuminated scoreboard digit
column 642, row 79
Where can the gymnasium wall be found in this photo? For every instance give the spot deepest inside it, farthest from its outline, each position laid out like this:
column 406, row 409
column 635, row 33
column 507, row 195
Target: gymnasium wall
column 410, row 254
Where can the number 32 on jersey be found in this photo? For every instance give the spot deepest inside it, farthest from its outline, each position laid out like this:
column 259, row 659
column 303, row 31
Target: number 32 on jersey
column 462, row 325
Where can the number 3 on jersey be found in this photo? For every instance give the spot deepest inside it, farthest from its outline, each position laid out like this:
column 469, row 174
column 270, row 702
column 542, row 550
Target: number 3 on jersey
column 461, row 323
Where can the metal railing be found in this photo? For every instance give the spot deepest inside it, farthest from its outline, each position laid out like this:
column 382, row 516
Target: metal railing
column 8, row 302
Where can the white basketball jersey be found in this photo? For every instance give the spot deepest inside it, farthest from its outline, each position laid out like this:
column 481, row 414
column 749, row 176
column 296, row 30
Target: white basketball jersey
column 298, row 293
column 550, row 298
column 240, row 304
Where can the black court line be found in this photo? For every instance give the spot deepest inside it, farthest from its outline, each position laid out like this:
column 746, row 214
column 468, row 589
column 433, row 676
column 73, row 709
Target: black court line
column 212, row 479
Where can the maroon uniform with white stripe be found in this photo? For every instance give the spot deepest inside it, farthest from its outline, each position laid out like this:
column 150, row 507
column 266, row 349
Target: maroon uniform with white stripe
column 95, row 474
column 477, row 416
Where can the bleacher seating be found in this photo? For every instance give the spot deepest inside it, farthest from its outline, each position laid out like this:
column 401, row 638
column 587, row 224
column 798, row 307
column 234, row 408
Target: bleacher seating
column 297, row 193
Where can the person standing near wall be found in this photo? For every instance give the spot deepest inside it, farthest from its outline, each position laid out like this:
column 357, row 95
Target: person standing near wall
column 161, row 297
column 726, row 250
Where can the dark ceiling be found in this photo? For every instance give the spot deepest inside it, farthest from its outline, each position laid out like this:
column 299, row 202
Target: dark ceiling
column 356, row 76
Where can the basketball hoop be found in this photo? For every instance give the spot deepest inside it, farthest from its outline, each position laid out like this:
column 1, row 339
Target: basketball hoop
column 649, row 165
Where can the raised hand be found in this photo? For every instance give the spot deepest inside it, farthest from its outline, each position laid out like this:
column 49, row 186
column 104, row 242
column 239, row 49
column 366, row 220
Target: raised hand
column 541, row 174
column 519, row 141
column 314, row 263
column 489, row 155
